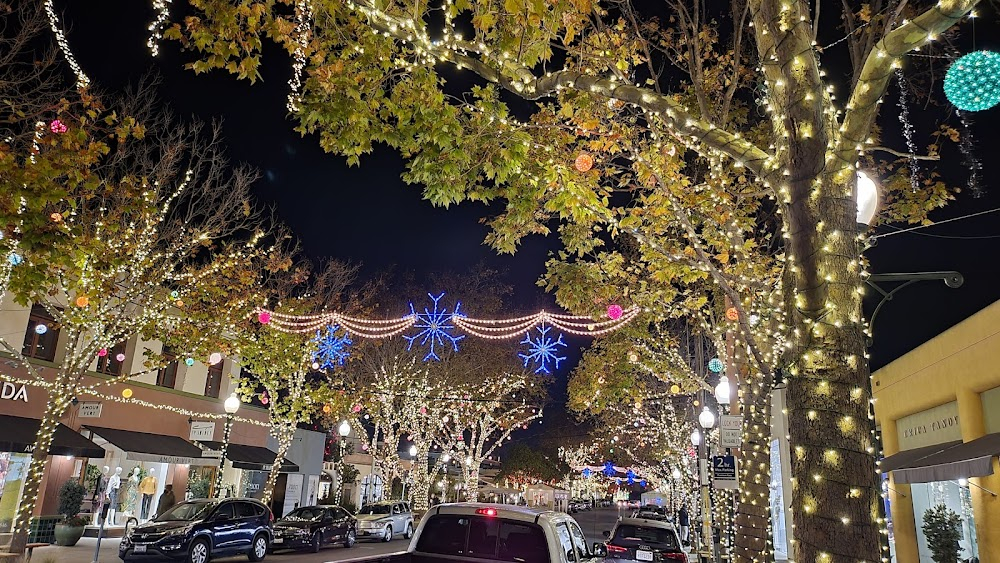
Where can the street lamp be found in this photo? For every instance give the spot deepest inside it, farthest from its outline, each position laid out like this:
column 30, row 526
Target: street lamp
column 695, row 438
column 706, row 419
column 724, row 391
column 231, row 405
column 867, row 199
column 343, row 430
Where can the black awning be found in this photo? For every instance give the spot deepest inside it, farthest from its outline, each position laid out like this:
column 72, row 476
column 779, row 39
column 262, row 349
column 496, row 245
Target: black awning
column 254, row 458
column 960, row 461
column 17, row 434
column 912, row 458
column 142, row 446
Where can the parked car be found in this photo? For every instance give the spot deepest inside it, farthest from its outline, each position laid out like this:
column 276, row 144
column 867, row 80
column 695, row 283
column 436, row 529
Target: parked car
column 384, row 520
column 472, row 533
column 641, row 540
column 198, row 530
column 314, row 527
column 652, row 512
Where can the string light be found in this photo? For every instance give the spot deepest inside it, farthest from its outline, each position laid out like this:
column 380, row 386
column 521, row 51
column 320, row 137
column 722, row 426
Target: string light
column 162, row 10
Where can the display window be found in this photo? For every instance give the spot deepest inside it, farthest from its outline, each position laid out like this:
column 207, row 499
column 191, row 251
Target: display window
column 955, row 497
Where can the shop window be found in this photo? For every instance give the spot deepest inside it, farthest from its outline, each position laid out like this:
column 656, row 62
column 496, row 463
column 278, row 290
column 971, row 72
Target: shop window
column 213, row 384
column 109, row 363
column 167, row 375
column 953, row 495
column 40, row 346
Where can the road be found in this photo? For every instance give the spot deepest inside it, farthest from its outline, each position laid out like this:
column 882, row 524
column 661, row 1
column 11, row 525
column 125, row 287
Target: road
column 593, row 522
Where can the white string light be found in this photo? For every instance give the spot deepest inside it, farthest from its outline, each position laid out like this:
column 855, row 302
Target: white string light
column 162, row 9
column 82, row 81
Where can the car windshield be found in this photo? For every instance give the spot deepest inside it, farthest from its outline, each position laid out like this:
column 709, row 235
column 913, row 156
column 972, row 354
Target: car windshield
column 375, row 509
column 307, row 513
column 186, row 512
column 661, row 538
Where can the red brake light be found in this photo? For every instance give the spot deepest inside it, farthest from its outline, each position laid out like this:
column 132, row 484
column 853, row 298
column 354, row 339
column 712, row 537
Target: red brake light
column 616, row 549
column 674, row 557
column 486, row 511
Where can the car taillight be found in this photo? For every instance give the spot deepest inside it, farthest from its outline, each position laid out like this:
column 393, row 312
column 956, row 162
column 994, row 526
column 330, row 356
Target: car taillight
column 616, row 549
column 486, row 511
column 674, row 557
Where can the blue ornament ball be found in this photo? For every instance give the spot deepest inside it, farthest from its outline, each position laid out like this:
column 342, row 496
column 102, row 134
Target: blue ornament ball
column 972, row 82
column 189, row 361
column 41, row 328
column 14, row 259
column 715, row 364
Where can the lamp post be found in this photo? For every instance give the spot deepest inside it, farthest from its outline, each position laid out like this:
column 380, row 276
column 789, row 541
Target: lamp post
column 706, row 420
column 231, row 405
column 343, row 430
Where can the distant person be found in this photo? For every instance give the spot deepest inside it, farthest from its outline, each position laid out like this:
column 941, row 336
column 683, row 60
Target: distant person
column 167, row 500
column 684, row 521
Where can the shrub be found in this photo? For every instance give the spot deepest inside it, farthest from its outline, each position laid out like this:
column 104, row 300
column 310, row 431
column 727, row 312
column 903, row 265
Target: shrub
column 942, row 528
column 71, row 499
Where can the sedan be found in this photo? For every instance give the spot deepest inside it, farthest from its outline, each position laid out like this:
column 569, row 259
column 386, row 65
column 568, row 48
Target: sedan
column 313, row 527
column 642, row 540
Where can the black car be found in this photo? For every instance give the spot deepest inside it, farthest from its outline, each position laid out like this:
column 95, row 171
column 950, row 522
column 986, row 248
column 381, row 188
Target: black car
column 640, row 540
column 315, row 526
column 198, row 530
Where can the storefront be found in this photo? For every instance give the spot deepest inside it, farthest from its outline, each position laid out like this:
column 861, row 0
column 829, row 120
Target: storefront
column 246, row 469
column 941, row 443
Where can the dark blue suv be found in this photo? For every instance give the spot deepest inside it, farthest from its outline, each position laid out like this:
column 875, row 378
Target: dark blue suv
column 197, row 530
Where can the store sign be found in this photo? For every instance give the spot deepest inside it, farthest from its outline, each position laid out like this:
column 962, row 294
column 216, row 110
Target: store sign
column 12, row 392
column 90, row 409
column 730, row 431
column 724, row 472
column 927, row 428
column 253, row 483
column 202, row 431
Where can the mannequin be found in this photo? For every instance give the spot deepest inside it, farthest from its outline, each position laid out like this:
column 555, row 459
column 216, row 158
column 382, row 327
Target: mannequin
column 131, row 503
column 111, row 494
column 148, row 488
column 98, row 506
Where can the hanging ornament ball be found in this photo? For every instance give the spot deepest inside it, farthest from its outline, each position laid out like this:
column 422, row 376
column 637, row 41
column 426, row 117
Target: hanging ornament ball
column 189, row 362
column 675, row 388
column 57, row 126
column 120, row 357
column 327, row 409
column 264, row 317
column 584, row 162
column 127, row 393
column 179, row 303
column 615, row 312
column 715, row 364
column 14, row 259
column 633, row 357
column 315, row 365
column 214, row 358
column 423, row 410
column 754, row 320
column 356, row 407
column 175, row 294
column 82, row 301
column 41, row 328
column 732, row 314
column 102, row 352
column 972, row 82
column 56, row 217
column 364, row 447
column 263, row 399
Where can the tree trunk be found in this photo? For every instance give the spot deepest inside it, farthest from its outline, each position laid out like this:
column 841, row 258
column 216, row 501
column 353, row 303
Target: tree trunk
column 752, row 525
column 472, row 485
column 284, row 433
column 835, row 492
column 43, row 441
column 421, row 483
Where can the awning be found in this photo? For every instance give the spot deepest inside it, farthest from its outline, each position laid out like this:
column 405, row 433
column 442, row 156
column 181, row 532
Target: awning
column 142, row 446
column 19, row 436
column 907, row 458
column 254, row 458
column 953, row 461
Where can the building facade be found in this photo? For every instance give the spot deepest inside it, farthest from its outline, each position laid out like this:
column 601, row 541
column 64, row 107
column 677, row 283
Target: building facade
column 938, row 410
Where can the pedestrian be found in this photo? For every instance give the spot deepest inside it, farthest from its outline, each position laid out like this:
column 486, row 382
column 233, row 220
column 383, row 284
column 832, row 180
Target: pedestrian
column 684, row 521
column 166, row 501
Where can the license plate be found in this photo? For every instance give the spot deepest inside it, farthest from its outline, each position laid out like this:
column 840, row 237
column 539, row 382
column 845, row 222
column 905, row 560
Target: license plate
column 641, row 555
column 279, row 540
column 139, row 549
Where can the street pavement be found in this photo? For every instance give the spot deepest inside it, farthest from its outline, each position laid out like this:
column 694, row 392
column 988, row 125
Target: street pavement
column 593, row 522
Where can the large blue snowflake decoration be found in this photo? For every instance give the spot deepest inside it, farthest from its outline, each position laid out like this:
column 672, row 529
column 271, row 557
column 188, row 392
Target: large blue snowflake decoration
column 435, row 328
column 331, row 347
column 630, row 476
column 586, row 473
column 542, row 350
column 609, row 469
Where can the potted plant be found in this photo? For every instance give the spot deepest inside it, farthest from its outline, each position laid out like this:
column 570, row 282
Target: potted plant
column 942, row 528
column 70, row 529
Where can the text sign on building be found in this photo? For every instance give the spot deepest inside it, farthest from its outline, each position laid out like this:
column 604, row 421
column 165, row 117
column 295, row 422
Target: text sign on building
column 202, row 431
column 730, row 431
column 13, row 393
column 936, row 425
column 724, row 472
column 90, row 409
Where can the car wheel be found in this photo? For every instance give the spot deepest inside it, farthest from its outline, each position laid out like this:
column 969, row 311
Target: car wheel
column 198, row 553
column 258, row 549
column 350, row 539
column 387, row 536
column 317, row 542
column 409, row 531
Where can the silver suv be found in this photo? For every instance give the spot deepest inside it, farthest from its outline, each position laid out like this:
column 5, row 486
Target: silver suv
column 384, row 520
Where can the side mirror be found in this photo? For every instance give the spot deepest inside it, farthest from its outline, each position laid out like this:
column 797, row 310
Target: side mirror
column 600, row 550
column 607, row 533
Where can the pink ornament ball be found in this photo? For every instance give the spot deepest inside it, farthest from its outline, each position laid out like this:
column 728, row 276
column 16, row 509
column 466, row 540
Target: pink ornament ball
column 615, row 312
column 356, row 408
column 423, row 410
column 120, row 357
column 264, row 317
column 102, row 352
column 57, row 126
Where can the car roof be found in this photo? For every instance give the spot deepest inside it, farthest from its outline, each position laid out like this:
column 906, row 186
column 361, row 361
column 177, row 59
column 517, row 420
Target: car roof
column 646, row 522
column 509, row 511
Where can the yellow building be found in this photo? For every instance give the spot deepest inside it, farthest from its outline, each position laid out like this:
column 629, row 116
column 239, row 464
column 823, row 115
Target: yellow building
column 938, row 408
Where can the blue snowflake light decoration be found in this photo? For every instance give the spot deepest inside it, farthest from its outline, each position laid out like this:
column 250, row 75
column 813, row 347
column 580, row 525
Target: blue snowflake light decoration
column 331, row 348
column 436, row 328
column 642, row 483
column 630, row 477
column 586, row 473
column 609, row 469
column 542, row 350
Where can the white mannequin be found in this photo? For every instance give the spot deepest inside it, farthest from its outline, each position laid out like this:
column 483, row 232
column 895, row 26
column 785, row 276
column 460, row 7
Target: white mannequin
column 114, row 483
column 99, row 501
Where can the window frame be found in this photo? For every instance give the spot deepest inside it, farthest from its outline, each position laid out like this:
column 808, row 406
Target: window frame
column 170, row 368
column 108, row 364
column 214, row 369
column 29, row 349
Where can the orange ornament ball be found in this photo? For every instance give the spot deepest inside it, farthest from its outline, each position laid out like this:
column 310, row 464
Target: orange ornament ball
column 584, row 162
column 56, row 217
column 82, row 301
column 327, row 409
column 732, row 314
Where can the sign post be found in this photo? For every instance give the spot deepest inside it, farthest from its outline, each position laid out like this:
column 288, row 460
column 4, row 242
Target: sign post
column 730, row 431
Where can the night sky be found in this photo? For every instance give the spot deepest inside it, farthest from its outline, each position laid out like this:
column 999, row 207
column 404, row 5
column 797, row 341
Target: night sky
column 368, row 215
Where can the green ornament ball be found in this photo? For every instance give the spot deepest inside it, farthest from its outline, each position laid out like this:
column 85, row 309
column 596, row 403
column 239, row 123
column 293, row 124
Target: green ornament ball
column 972, row 82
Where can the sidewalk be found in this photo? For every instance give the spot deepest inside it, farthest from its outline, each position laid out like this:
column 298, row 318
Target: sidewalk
column 82, row 552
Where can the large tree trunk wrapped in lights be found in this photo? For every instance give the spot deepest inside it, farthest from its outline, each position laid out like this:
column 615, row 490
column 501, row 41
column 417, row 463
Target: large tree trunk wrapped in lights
column 284, row 432
column 752, row 533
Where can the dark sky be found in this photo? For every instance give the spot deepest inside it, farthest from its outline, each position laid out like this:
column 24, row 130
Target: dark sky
column 368, row 215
